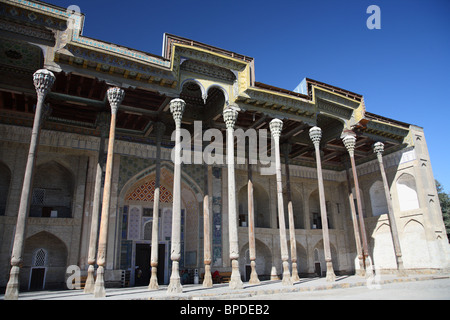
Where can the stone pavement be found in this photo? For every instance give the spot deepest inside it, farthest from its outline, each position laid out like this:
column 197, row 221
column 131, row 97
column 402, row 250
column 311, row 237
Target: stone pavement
column 222, row 292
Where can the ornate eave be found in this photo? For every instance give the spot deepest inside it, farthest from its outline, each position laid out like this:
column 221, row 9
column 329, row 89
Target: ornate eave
column 113, row 64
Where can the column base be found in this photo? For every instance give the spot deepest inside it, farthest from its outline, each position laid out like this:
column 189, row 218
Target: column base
column 153, row 285
column 370, row 272
column 99, row 288
column 331, row 277
column 287, row 280
column 401, row 272
column 295, row 276
column 253, row 275
column 273, row 274
column 12, row 288
column 235, row 281
column 207, row 280
column 175, row 283
column 90, row 282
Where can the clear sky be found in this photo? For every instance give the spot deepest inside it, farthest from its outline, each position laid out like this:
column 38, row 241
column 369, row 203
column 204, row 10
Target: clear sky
column 402, row 69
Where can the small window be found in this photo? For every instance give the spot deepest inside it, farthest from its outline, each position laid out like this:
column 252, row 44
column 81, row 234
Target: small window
column 40, row 258
column 38, row 196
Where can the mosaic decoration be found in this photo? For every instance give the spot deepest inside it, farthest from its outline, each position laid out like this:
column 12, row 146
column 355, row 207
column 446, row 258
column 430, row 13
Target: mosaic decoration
column 134, row 224
column 145, row 192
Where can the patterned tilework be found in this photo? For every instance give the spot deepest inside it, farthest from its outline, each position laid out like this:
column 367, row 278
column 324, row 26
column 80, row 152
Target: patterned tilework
column 130, row 166
column 145, row 192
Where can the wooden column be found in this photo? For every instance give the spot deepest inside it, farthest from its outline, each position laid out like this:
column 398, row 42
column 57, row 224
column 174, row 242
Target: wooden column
column 93, row 237
column 350, row 141
column 251, row 225
column 43, row 81
column 153, row 285
column 230, row 115
column 315, row 133
column 177, row 109
column 378, row 148
column 207, row 279
column 276, row 126
column 361, row 272
column 115, row 97
column 286, row 150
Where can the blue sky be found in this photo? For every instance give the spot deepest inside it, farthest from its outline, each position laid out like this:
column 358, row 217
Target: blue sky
column 402, row 69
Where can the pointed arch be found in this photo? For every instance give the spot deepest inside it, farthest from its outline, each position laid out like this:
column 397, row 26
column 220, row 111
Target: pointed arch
column 204, row 93
column 263, row 260
column 261, row 206
column 225, row 93
column 414, row 245
column 49, row 254
column 53, row 191
column 378, row 200
column 407, row 192
column 383, row 248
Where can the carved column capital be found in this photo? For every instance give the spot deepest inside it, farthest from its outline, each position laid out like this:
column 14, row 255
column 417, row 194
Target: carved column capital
column 315, row 133
column 276, row 126
column 177, row 109
column 378, row 148
column 43, row 80
column 230, row 115
column 349, row 141
column 115, row 98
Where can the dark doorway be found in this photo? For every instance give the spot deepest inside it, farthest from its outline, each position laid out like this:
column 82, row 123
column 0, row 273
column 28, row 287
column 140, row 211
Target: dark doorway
column 143, row 268
column 318, row 269
column 37, row 279
column 248, row 272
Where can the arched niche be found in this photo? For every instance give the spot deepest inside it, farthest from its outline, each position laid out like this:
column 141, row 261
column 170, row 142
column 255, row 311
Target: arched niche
column 378, row 198
column 263, row 260
column 297, row 208
column 53, row 188
column 302, row 257
column 319, row 258
column 260, row 203
column 315, row 213
column 407, row 192
column 415, row 246
column 44, row 262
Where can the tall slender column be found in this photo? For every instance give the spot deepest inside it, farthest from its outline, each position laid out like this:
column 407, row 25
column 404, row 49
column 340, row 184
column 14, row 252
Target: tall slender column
column 115, row 97
column 207, row 279
column 251, row 226
column 315, row 133
column 230, row 116
column 177, row 108
column 349, row 142
column 153, row 285
column 361, row 272
column 378, row 148
column 93, row 237
column 286, row 150
column 276, row 126
column 43, row 81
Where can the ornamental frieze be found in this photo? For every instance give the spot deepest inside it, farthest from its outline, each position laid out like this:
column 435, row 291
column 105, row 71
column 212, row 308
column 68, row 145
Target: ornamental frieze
column 335, row 98
column 334, row 109
column 210, row 58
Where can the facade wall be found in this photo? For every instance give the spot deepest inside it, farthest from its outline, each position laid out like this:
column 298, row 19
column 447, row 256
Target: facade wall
column 422, row 235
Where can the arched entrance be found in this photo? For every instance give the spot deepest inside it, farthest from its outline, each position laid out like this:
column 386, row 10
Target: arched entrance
column 263, row 261
column 137, row 199
column 45, row 262
column 260, row 203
